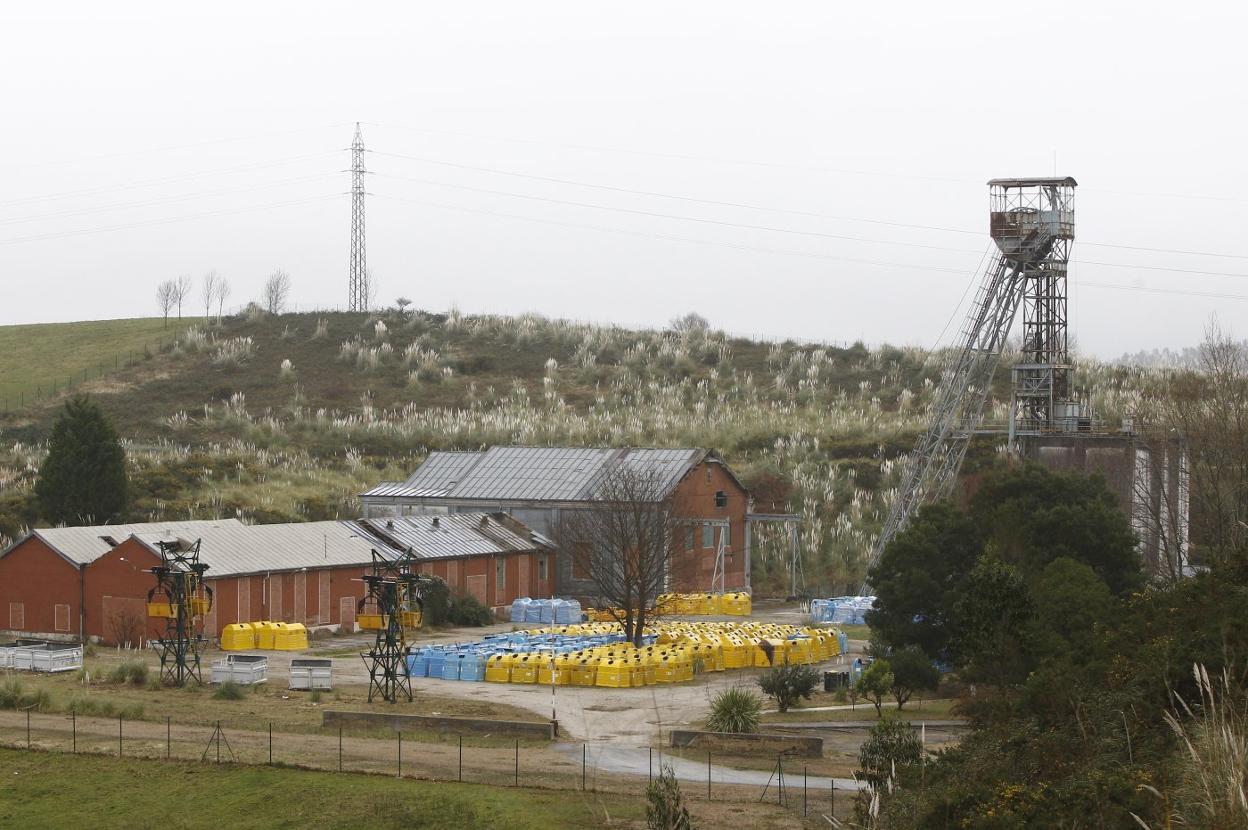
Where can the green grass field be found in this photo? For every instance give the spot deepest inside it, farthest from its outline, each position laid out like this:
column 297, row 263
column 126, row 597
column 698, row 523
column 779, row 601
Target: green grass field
column 34, row 357
column 40, row 789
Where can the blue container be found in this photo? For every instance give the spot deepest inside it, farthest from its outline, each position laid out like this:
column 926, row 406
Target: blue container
column 472, row 666
column 533, row 612
column 437, row 659
column 417, row 664
column 519, row 609
column 450, row 666
column 547, row 611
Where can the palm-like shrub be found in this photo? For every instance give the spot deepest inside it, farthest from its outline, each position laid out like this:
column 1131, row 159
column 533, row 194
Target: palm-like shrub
column 735, row 710
column 789, row 684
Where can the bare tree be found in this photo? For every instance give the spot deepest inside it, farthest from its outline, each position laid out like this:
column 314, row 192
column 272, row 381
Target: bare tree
column 1201, row 418
column 625, row 541
column 401, row 304
column 126, row 627
column 208, row 291
column 276, row 291
column 166, row 298
column 690, row 322
column 223, row 294
column 182, row 290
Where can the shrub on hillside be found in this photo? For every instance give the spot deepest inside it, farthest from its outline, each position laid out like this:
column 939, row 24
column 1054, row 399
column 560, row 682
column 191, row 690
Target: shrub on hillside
column 735, row 710
column 14, row 695
column 665, row 808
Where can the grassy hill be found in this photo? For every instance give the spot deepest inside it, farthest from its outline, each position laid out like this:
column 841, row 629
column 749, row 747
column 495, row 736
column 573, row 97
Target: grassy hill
column 39, row 360
column 276, row 418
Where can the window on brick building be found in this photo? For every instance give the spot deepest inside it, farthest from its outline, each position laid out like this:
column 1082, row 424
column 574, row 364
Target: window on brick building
column 541, row 567
column 60, row 617
column 17, row 615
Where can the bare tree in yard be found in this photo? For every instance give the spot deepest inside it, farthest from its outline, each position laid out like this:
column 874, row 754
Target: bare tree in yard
column 222, row 294
column 625, row 542
column 1205, row 413
column 126, row 628
column 208, row 291
column 182, row 288
column 166, row 298
column 276, row 291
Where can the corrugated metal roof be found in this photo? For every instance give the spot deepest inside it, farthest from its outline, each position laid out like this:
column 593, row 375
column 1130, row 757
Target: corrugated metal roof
column 453, row 535
column 442, row 470
column 244, row 549
column 85, row 544
column 537, row 473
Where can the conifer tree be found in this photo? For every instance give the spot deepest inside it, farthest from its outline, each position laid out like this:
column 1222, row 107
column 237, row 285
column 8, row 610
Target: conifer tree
column 83, row 478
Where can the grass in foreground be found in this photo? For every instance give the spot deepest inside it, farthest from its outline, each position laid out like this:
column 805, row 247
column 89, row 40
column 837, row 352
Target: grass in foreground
column 40, row 789
column 36, row 356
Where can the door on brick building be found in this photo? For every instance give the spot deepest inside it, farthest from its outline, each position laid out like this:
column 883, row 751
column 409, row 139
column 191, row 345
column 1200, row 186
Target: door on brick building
column 346, row 613
column 476, row 587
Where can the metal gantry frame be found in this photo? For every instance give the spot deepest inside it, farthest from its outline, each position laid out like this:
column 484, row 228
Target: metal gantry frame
column 797, row 574
column 1032, row 222
column 182, row 598
column 358, row 277
column 397, row 591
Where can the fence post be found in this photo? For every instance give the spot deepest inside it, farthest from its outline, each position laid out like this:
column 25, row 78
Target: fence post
column 708, row 775
column 803, row 790
column 168, row 737
column 270, row 743
column 400, row 753
column 28, row 727
column 119, row 718
column 218, row 742
column 583, row 757
column 340, row 749
column 461, row 757
column 650, row 765
column 517, row 762
column 73, row 717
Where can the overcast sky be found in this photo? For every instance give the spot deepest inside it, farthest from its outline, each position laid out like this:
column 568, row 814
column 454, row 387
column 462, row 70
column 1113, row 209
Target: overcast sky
column 146, row 140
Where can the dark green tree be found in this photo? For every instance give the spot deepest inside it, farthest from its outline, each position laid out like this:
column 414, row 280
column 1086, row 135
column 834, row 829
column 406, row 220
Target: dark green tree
column 912, row 672
column 1072, row 604
column 1030, row 516
column 875, row 682
column 83, row 478
column 917, row 578
column 993, row 616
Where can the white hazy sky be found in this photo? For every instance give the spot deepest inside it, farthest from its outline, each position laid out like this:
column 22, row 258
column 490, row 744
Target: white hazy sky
column 145, row 140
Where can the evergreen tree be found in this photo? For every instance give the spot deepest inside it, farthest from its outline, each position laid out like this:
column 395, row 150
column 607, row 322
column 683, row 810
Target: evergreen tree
column 83, row 479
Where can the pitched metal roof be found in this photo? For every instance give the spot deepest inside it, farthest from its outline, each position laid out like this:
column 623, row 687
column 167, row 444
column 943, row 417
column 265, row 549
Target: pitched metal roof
column 567, row 474
column 245, row 549
column 82, row 545
column 454, row 535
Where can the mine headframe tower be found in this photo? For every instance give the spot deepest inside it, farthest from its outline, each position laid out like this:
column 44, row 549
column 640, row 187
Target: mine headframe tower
column 182, row 599
column 395, row 592
column 1032, row 222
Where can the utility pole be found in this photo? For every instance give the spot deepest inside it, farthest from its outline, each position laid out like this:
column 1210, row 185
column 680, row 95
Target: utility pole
column 358, row 299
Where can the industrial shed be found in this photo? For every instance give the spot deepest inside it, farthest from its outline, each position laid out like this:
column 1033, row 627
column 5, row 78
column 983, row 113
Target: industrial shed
column 93, row 581
column 534, row 484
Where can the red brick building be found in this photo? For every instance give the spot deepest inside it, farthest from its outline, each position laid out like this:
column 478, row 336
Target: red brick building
column 93, row 581
column 535, row 484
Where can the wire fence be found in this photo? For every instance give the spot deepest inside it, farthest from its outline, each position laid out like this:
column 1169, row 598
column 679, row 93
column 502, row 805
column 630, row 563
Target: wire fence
column 489, row 760
column 49, row 389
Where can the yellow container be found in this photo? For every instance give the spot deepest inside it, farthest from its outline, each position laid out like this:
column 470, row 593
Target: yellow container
column 411, row 619
column 264, row 634
column 161, row 609
column 200, row 606
column 613, row 674
column 761, row 659
column 370, row 622
column 584, row 672
column 238, row 637
column 799, row 652
column 524, row 670
column 561, row 668
column 498, row 668
column 737, row 654
column 290, row 637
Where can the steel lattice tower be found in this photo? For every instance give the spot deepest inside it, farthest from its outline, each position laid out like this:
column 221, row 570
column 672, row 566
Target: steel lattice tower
column 182, row 599
column 358, row 300
column 1033, row 224
column 396, row 590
